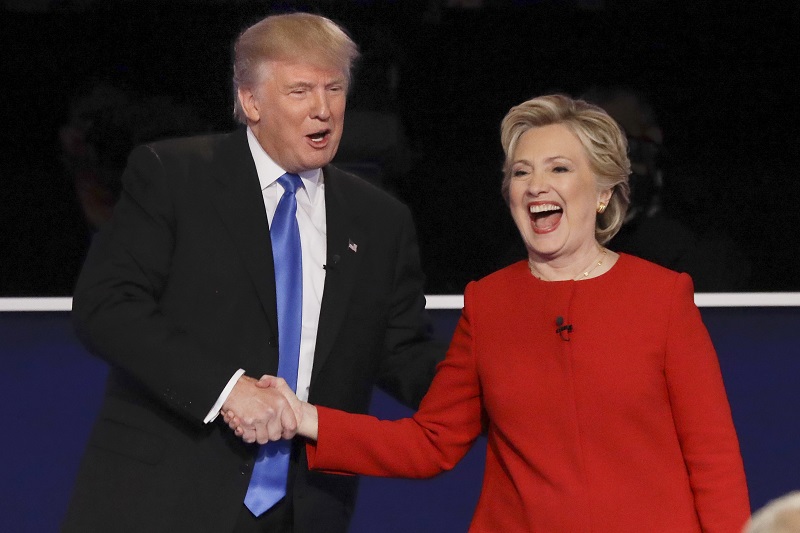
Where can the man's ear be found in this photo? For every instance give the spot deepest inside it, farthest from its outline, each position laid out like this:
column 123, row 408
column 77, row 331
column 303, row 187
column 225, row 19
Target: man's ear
column 249, row 104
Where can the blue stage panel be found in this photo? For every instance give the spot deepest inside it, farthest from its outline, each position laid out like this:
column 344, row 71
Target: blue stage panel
column 51, row 389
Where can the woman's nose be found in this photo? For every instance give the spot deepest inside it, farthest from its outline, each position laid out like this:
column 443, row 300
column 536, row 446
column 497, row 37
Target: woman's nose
column 537, row 183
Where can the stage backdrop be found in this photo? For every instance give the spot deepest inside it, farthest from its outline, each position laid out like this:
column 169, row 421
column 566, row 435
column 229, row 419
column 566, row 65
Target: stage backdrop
column 51, row 389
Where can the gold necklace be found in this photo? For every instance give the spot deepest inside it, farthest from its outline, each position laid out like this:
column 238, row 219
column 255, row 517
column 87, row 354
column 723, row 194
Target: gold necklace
column 596, row 262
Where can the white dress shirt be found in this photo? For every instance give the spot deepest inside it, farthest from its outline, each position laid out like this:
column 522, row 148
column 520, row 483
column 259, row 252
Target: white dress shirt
column 313, row 241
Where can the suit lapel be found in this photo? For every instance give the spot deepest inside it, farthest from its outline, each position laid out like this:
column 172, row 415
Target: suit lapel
column 236, row 194
column 346, row 242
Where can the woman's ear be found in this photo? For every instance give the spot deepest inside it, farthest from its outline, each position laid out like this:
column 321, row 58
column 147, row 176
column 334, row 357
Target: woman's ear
column 605, row 196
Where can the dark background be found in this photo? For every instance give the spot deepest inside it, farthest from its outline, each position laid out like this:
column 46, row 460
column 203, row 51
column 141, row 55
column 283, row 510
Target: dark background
column 720, row 75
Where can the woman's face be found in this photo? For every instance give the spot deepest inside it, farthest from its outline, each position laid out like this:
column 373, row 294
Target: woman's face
column 553, row 193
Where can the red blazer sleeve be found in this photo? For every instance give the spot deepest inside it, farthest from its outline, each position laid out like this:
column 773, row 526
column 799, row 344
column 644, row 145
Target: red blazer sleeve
column 702, row 417
column 433, row 440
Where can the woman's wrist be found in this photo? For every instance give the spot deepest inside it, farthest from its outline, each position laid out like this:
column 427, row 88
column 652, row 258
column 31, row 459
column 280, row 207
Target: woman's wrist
column 309, row 423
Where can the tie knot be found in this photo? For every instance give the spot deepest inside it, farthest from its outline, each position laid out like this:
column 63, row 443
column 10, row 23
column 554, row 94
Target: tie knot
column 290, row 182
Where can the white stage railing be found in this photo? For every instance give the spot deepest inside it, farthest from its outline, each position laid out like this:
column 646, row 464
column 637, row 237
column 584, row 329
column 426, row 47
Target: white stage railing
column 456, row 301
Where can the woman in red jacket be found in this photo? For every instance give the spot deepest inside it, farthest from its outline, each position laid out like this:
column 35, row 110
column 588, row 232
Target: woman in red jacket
column 591, row 372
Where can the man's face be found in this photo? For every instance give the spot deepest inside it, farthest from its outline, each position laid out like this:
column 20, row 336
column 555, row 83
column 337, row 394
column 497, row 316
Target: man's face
column 296, row 112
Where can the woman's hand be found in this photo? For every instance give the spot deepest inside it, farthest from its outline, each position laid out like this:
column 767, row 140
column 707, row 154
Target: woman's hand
column 305, row 414
column 258, row 414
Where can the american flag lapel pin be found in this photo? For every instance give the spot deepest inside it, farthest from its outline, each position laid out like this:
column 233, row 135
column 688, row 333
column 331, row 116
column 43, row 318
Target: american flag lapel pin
column 353, row 246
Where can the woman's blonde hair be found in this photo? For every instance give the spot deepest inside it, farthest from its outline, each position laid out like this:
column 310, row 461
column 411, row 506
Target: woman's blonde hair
column 601, row 137
column 292, row 36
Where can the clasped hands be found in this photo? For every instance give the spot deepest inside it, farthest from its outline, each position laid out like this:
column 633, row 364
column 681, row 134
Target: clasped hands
column 267, row 410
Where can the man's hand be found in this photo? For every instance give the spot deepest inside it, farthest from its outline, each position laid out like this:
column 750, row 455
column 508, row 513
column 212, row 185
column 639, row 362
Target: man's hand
column 305, row 413
column 260, row 414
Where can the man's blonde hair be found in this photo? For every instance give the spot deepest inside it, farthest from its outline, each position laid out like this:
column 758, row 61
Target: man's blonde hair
column 302, row 37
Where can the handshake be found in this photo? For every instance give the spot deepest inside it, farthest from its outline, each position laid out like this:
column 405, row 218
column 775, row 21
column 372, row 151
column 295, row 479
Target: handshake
column 267, row 410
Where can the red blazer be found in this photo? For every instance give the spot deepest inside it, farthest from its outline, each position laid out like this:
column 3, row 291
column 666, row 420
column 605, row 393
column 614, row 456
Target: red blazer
column 624, row 427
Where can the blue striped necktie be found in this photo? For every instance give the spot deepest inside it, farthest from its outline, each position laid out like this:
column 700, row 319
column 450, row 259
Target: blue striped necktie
column 268, row 482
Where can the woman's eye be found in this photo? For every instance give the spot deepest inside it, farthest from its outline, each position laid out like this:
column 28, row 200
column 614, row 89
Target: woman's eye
column 519, row 172
column 560, row 169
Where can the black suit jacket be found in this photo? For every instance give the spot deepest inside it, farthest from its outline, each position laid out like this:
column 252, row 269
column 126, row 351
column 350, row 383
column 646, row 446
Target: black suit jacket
column 178, row 292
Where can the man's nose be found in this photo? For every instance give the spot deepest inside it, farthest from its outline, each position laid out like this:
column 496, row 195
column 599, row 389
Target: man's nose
column 320, row 107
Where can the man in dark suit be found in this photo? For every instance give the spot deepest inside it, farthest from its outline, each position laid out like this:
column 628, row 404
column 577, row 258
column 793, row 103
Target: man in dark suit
column 178, row 294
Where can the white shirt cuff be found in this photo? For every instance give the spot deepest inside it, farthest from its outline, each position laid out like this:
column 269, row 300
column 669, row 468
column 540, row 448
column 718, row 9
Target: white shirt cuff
column 214, row 412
